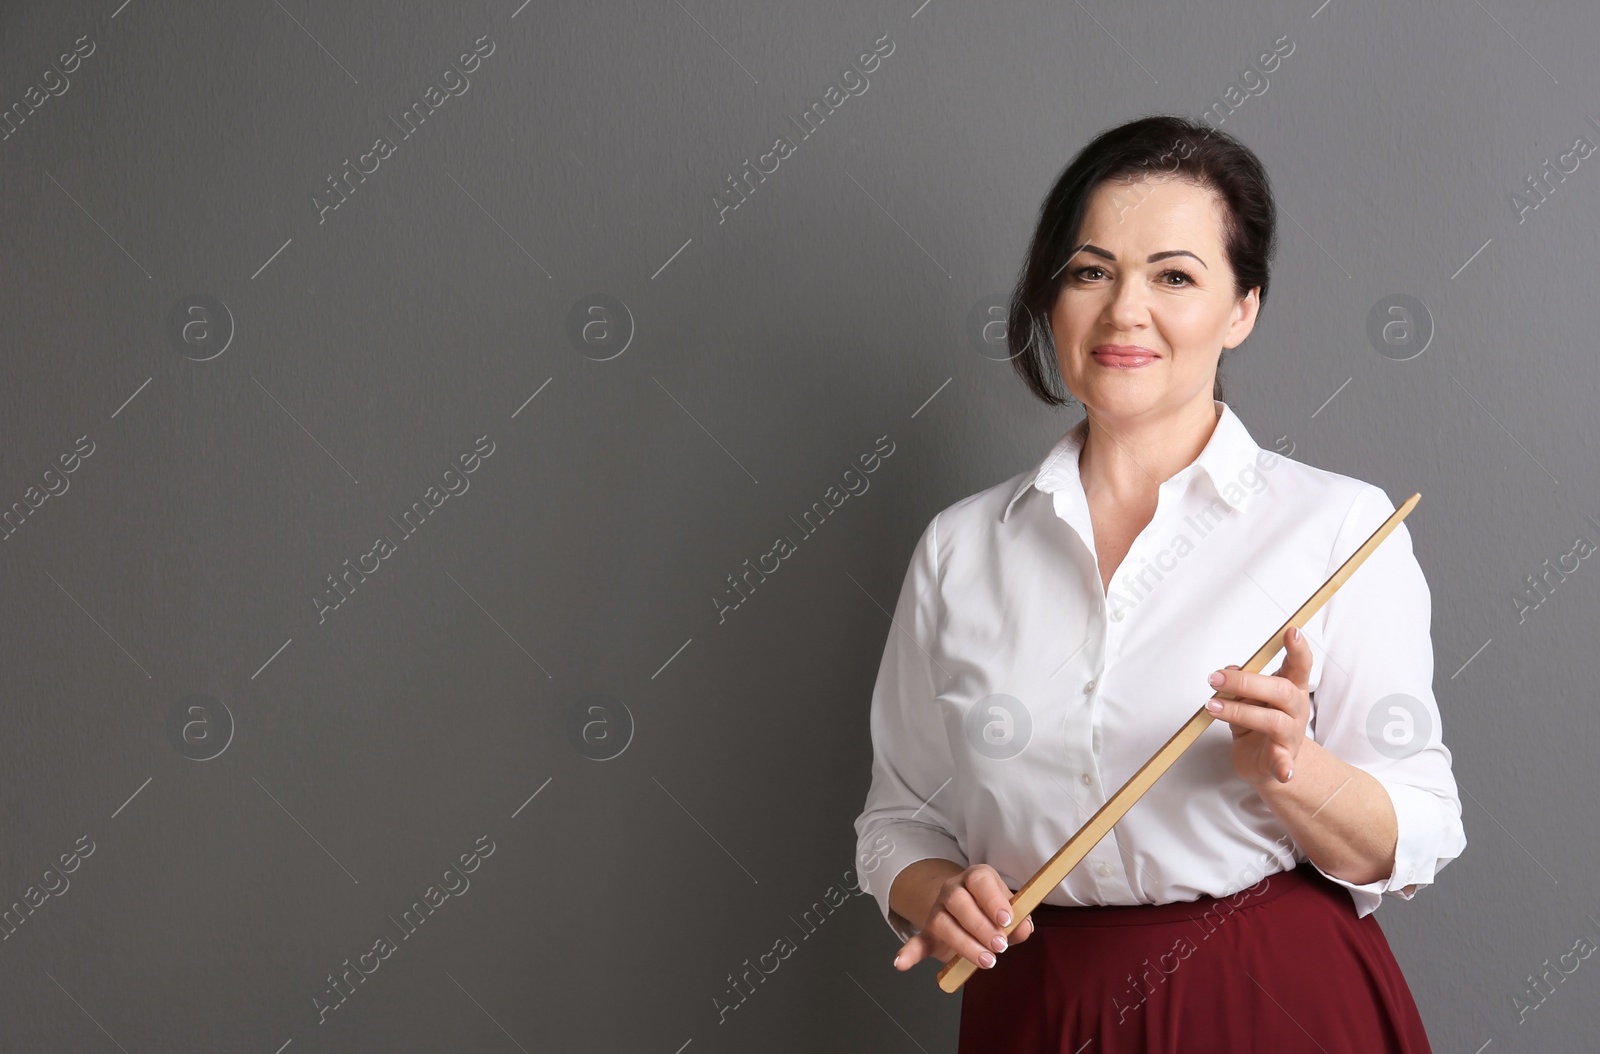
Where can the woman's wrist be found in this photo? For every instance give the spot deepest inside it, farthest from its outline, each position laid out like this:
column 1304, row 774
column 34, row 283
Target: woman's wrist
column 1340, row 814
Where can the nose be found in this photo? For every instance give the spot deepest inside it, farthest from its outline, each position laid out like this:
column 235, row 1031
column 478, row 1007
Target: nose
column 1127, row 308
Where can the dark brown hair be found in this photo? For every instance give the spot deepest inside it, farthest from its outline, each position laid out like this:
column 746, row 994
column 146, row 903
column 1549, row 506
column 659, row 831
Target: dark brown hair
column 1159, row 143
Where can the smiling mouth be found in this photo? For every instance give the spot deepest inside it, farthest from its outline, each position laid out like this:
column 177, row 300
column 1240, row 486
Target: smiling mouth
column 1122, row 356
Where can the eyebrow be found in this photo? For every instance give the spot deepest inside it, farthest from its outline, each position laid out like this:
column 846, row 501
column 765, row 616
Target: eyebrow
column 1152, row 258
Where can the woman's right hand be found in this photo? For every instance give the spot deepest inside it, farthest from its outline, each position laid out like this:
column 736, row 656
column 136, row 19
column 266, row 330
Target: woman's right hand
column 968, row 918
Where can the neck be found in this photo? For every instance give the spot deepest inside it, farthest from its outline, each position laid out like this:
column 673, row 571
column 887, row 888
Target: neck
column 1127, row 459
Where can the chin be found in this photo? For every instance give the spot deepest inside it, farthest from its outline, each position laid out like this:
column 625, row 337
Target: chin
column 1124, row 400
column 1133, row 388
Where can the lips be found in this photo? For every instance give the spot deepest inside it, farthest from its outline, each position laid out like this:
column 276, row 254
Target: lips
column 1122, row 356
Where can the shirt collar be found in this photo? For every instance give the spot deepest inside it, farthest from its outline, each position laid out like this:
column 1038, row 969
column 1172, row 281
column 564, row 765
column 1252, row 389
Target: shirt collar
column 1225, row 461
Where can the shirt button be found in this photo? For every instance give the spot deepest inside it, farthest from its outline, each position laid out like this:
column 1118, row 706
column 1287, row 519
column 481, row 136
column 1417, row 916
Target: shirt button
column 1116, row 616
column 1088, row 780
column 1088, row 688
column 1105, row 870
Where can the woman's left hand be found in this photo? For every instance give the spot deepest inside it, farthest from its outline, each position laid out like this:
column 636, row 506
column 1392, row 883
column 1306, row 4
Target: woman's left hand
column 1267, row 714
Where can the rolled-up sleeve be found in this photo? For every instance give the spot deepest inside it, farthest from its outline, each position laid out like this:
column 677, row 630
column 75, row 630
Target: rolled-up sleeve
column 1375, row 706
column 904, row 819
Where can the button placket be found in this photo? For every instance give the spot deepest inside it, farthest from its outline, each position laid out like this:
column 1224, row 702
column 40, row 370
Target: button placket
column 1088, row 690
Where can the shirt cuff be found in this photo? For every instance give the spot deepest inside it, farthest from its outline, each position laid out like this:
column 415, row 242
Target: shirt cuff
column 909, row 841
column 1430, row 836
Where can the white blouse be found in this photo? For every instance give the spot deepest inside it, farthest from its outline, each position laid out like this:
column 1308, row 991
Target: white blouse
column 1015, row 695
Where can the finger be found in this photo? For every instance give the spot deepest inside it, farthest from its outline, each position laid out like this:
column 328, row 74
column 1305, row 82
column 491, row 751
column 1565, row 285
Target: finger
column 1257, row 688
column 975, row 923
column 1251, row 716
column 1297, row 658
column 963, row 927
column 992, row 895
column 1023, row 931
column 1288, row 765
column 912, row 952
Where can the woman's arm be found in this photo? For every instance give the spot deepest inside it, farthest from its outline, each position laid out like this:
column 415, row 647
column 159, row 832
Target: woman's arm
column 905, row 821
column 1339, row 814
column 1378, row 811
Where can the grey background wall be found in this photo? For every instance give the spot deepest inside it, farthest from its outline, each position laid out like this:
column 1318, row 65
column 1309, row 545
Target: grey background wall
column 219, row 787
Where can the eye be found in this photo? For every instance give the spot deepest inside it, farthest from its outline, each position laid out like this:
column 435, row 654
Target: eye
column 1083, row 273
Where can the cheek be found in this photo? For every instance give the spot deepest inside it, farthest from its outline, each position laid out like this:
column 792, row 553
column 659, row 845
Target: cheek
column 1193, row 326
column 1071, row 318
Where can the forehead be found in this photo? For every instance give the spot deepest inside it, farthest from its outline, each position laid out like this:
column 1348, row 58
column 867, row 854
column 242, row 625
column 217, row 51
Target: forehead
column 1153, row 209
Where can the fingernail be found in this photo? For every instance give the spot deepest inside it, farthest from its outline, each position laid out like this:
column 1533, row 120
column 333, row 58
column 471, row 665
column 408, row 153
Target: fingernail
column 987, row 961
column 1214, row 705
column 1216, row 679
column 1294, row 633
column 1005, row 917
column 999, row 943
column 1289, row 777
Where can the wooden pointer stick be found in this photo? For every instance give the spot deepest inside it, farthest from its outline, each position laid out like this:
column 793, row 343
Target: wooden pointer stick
column 1056, row 869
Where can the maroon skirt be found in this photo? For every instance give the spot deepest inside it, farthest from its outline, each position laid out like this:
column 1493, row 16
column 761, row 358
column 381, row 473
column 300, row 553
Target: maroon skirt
column 1283, row 966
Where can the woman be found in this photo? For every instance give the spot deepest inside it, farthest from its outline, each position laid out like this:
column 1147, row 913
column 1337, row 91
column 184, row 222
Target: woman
column 1052, row 632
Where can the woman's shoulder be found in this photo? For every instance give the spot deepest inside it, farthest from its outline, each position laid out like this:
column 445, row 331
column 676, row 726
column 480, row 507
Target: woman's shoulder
column 967, row 524
column 1331, row 511
column 984, row 509
column 1335, row 494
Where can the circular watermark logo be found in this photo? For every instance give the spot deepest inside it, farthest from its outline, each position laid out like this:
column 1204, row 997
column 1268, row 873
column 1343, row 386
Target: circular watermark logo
column 599, row 326
column 986, row 326
column 1400, row 327
column 999, row 726
column 1399, row 725
column 599, row 726
column 200, row 327
column 199, row 727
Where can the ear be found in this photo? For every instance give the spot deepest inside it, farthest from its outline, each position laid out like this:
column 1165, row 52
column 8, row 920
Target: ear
column 1244, row 318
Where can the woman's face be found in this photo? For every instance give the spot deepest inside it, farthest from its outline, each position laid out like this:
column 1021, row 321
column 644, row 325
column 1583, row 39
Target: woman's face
column 1151, row 281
